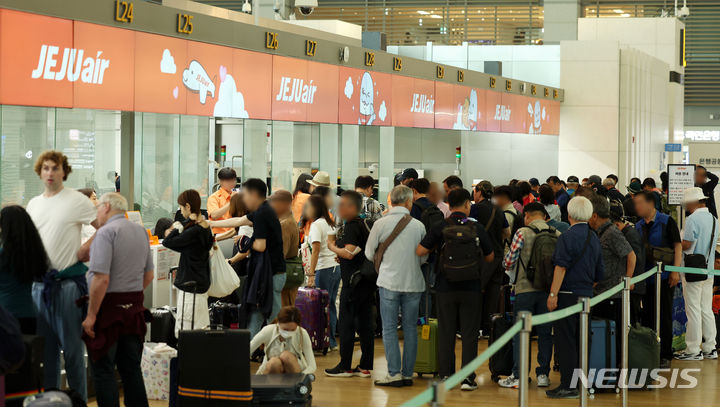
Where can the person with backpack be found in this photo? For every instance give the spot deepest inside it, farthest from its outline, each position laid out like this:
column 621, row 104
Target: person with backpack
column 461, row 244
column 530, row 260
column 503, row 198
column 357, row 296
column 423, row 209
column 496, row 225
column 578, row 266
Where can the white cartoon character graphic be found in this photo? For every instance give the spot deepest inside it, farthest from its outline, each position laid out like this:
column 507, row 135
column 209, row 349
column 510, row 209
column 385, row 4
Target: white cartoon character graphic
column 167, row 63
column 367, row 98
column 230, row 102
column 537, row 115
column 197, row 80
column 467, row 113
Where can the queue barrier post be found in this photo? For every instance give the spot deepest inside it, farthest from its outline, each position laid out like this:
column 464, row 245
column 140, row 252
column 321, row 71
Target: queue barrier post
column 624, row 368
column 658, row 282
column 438, row 393
column 584, row 345
column 524, row 354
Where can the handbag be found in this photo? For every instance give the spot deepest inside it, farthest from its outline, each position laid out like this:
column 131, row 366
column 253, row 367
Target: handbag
column 665, row 255
column 699, row 261
column 294, row 272
column 223, row 279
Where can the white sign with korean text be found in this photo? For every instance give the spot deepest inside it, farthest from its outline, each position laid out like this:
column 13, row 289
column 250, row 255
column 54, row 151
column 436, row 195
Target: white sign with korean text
column 680, row 178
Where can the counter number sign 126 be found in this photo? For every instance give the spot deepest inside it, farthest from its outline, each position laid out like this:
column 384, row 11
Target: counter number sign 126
column 123, row 11
column 184, row 23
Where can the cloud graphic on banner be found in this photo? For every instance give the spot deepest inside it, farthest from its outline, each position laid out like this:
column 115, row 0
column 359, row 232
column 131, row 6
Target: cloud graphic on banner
column 382, row 111
column 230, row 103
column 348, row 88
column 167, row 63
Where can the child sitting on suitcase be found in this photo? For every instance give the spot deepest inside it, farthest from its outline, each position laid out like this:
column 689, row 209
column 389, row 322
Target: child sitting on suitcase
column 287, row 345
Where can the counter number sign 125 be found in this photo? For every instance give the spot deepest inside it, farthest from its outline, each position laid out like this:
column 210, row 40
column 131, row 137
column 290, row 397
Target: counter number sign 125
column 184, row 24
column 123, row 11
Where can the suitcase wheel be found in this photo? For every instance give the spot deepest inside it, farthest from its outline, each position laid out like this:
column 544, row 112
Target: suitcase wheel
column 419, row 375
column 325, row 351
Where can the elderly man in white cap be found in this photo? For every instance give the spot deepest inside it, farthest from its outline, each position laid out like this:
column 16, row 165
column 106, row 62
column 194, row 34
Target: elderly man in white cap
column 699, row 242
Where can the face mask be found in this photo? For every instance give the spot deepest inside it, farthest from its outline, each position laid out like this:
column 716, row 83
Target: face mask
column 286, row 334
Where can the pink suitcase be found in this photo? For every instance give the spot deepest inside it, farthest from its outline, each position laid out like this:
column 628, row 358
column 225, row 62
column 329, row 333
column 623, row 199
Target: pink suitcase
column 314, row 305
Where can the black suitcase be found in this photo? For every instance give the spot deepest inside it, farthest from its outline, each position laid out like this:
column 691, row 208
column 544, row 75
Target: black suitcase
column 28, row 379
column 162, row 327
column 214, row 368
column 291, row 389
column 225, row 314
column 501, row 363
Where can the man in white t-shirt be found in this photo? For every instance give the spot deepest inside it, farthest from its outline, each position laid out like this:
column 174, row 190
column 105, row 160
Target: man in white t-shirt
column 59, row 214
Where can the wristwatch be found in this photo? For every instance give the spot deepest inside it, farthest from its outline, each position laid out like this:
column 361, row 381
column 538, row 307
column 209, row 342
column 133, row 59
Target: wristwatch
column 552, row 294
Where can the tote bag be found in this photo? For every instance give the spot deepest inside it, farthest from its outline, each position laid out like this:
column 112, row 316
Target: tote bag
column 223, row 279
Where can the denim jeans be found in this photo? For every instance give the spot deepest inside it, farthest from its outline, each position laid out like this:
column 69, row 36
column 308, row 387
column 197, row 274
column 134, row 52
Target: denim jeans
column 392, row 304
column 329, row 279
column 126, row 353
column 536, row 303
column 61, row 325
column 256, row 320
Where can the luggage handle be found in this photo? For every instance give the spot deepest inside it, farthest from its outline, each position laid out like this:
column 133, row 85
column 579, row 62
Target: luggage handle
column 188, row 284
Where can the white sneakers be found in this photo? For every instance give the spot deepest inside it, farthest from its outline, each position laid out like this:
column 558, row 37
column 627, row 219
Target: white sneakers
column 512, row 382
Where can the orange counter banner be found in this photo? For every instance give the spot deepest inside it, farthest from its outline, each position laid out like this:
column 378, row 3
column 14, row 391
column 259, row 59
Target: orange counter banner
column 35, row 54
column 365, row 97
column 53, row 62
column 459, row 107
column 304, row 91
column 413, row 102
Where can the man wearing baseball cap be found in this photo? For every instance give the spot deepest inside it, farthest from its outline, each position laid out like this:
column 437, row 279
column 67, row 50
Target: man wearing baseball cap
column 700, row 238
column 572, row 184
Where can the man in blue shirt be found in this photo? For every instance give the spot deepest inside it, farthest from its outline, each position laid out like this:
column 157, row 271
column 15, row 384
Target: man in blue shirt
column 700, row 237
column 659, row 231
column 578, row 265
column 561, row 196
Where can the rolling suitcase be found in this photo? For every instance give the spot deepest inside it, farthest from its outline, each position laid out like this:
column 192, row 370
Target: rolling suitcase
column 426, row 361
column 643, row 353
column 214, row 368
column 603, row 348
column 314, row 304
column 28, row 379
column 290, row 389
column 501, row 363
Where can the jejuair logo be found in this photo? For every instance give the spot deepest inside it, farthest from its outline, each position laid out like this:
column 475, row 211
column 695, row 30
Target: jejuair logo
column 636, row 378
column 72, row 66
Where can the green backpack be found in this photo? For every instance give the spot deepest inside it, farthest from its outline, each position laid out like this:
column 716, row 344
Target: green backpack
column 540, row 269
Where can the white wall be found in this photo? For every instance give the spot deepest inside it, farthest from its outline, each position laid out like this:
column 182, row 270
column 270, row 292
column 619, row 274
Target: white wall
column 500, row 157
column 532, row 63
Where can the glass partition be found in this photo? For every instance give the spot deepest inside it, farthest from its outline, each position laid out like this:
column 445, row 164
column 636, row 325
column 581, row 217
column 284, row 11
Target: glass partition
column 26, row 132
column 349, row 155
column 194, row 142
column 328, row 151
column 91, row 141
column 255, row 149
column 282, row 155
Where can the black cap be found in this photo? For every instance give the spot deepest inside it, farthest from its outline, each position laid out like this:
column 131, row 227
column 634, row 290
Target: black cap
column 572, row 179
column 534, row 182
column 536, row 207
column 409, row 173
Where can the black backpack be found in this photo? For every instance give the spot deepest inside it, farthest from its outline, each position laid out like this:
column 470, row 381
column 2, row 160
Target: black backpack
column 430, row 214
column 461, row 254
column 540, row 269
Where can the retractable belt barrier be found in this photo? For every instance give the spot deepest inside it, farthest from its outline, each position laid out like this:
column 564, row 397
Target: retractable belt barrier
column 435, row 395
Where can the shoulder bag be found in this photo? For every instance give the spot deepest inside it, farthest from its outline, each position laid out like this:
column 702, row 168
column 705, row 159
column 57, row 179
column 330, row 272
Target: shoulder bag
column 699, row 261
